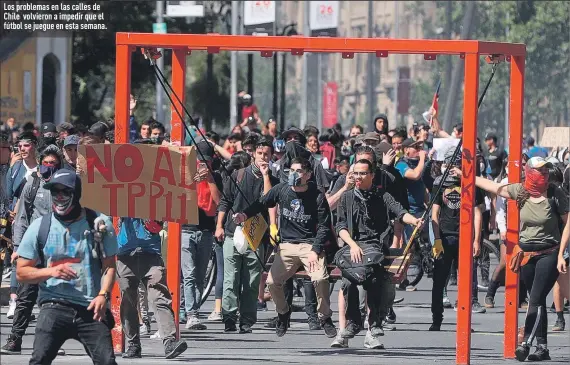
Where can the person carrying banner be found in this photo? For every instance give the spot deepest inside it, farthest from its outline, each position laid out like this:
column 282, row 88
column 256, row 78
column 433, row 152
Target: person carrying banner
column 242, row 271
column 304, row 228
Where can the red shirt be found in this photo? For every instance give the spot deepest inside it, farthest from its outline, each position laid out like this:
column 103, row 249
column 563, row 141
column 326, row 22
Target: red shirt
column 248, row 111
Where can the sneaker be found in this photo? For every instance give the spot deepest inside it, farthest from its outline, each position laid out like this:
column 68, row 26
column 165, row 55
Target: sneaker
column 215, row 317
column 261, row 306
column 521, row 352
column 194, row 323
column 447, row 302
column 489, row 302
column 477, row 308
column 61, row 352
column 11, row 309
column 314, row 324
column 391, row 316
column 559, row 325
column 350, row 330
column 13, row 346
column 145, row 329
column 435, row 327
column 174, row 348
column 372, row 341
column 155, row 336
column 272, row 323
column 339, row 342
column 329, row 328
column 245, row 328
column 134, row 351
column 541, row 354
column 230, row 326
column 282, row 325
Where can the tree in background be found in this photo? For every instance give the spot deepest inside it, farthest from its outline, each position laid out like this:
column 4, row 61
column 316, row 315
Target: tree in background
column 543, row 26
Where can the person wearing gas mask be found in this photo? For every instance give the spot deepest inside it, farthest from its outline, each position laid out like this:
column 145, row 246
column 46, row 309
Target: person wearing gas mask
column 295, row 141
column 70, row 253
column 539, row 241
column 304, row 228
column 35, row 201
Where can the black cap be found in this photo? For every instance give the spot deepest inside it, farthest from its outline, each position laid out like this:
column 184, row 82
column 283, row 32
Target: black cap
column 489, row 136
column 205, row 150
column 49, row 128
column 68, row 127
column 420, row 125
column 65, row 177
column 409, row 142
column 292, row 131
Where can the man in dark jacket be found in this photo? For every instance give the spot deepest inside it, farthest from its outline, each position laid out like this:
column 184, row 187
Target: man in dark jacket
column 364, row 215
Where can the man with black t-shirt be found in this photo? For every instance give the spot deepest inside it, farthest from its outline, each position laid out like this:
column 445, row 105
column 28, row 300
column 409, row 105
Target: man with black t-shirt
column 445, row 222
column 305, row 226
column 497, row 156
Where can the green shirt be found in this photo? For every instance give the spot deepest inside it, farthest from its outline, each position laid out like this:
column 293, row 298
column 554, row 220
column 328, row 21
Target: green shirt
column 538, row 223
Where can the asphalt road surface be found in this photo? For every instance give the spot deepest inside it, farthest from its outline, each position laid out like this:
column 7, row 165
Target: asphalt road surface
column 409, row 343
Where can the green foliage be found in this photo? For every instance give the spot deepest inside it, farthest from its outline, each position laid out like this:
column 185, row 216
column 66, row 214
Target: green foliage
column 543, row 26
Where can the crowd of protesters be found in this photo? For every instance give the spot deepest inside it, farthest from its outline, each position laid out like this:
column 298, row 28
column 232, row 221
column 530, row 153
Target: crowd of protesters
column 318, row 191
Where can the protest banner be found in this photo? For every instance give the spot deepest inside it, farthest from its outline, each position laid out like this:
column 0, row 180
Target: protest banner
column 555, row 137
column 140, row 181
column 442, row 145
column 253, row 229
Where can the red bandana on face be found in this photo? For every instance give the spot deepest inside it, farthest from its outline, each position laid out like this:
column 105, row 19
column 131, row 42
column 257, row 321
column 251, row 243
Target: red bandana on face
column 536, row 182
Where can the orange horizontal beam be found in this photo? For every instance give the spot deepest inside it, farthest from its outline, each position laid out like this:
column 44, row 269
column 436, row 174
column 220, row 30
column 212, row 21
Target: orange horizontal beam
column 510, row 49
column 307, row 44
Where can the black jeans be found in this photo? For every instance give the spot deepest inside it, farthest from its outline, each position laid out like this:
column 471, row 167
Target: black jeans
column 27, row 298
column 380, row 294
column 539, row 275
column 58, row 323
column 441, row 269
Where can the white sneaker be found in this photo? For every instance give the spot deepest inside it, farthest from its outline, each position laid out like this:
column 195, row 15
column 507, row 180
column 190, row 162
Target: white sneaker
column 215, row 316
column 340, row 342
column 11, row 309
column 195, row 324
column 156, row 336
column 61, row 352
column 372, row 341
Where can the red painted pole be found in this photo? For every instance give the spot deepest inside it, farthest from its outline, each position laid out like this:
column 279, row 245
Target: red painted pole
column 122, row 115
column 515, row 151
column 176, row 136
column 465, row 270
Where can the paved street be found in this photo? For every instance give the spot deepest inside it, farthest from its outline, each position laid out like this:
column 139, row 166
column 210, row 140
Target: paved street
column 410, row 343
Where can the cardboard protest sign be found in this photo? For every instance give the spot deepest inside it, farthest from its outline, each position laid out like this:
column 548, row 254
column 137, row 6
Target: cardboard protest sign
column 555, row 137
column 442, row 145
column 140, row 181
column 253, row 229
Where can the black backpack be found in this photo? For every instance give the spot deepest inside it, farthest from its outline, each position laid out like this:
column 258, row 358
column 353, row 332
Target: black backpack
column 44, row 229
column 372, row 254
column 30, row 198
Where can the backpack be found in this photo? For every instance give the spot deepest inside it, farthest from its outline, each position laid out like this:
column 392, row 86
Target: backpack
column 372, row 254
column 44, row 229
column 205, row 201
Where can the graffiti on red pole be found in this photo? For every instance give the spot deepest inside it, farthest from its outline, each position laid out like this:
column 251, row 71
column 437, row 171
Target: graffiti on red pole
column 330, row 104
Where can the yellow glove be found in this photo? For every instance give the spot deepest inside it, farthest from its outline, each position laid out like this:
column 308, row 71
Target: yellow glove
column 274, row 233
column 437, row 249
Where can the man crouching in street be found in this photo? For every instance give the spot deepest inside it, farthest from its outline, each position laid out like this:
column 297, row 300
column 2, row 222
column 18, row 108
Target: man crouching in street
column 364, row 215
column 305, row 226
column 75, row 269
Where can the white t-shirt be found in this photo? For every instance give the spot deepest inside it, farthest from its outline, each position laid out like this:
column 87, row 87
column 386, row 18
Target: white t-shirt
column 29, row 171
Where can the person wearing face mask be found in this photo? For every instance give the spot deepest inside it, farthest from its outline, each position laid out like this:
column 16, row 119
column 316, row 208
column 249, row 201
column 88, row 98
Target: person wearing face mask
column 35, row 201
column 539, row 242
column 49, row 135
column 70, row 253
column 304, row 229
column 295, row 141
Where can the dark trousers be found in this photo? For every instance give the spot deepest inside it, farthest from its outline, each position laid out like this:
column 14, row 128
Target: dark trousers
column 380, row 294
column 27, row 298
column 539, row 275
column 441, row 269
column 309, row 293
column 58, row 323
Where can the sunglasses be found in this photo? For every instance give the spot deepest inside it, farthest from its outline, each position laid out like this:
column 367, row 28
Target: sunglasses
column 361, row 173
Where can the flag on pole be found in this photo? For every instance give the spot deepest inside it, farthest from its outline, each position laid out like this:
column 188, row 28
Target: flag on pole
column 434, row 103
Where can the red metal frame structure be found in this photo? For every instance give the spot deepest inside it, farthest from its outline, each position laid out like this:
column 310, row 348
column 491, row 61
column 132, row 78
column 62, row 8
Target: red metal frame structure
column 470, row 50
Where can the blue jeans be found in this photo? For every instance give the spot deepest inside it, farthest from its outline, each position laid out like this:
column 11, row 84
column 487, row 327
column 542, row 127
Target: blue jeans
column 59, row 322
column 196, row 252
